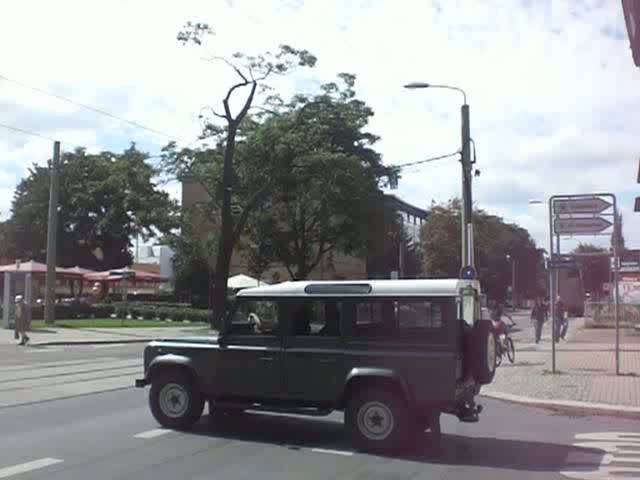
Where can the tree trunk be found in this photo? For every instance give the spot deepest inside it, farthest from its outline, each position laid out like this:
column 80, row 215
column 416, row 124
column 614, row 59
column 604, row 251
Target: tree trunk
column 225, row 245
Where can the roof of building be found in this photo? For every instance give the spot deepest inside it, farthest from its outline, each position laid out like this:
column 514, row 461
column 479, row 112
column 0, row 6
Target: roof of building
column 359, row 288
column 405, row 206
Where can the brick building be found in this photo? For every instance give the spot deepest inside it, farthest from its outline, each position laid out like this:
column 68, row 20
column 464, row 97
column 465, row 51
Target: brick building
column 341, row 266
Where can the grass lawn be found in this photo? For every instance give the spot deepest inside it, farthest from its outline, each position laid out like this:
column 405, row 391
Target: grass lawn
column 113, row 323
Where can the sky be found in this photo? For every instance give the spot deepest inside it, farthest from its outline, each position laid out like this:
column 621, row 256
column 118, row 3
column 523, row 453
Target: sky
column 553, row 92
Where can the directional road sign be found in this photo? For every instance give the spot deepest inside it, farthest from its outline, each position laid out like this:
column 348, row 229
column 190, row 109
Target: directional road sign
column 581, row 226
column 571, row 265
column 562, row 261
column 593, row 205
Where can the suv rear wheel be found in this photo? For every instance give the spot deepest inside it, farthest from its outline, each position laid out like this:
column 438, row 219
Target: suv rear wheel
column 377, row 420
column 175, row 402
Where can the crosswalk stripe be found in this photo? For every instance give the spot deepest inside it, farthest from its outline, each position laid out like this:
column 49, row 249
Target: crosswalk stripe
column 344, row 453
column 156, row 432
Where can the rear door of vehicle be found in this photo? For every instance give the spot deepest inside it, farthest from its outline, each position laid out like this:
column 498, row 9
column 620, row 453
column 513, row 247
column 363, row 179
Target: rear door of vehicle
column 251, row 359
column 313, row 351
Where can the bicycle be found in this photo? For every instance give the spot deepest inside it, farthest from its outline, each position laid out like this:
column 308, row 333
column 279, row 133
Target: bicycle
column 504, row 345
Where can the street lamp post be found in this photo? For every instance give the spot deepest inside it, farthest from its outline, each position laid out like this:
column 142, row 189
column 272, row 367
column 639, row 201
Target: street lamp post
column 466, row 224
column 512, row 262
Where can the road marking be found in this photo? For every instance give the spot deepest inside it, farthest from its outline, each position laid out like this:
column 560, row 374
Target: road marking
column 604, row 456
column 333, row 452
column 28, row 467
column 156, row 432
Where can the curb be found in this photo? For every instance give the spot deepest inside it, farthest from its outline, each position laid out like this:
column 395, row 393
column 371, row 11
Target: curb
column 90, row 342
column 568, row 406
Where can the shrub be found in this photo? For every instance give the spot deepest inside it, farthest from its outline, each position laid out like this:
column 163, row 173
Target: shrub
column 162, row 313
column 148, row 313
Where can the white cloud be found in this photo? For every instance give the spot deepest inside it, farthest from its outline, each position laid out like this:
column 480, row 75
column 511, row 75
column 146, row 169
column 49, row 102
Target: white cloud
column 553, row 91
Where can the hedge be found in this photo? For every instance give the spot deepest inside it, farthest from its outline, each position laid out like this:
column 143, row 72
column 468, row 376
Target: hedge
column 106, row 310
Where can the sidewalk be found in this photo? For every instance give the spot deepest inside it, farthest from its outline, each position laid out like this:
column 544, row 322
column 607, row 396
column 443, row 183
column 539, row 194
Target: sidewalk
column 586, row 371
column 70, row 336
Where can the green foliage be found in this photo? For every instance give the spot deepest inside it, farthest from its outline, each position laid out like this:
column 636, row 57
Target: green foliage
column 312, row 177
column 105, row 199
column 494, row 239
column 252, row 71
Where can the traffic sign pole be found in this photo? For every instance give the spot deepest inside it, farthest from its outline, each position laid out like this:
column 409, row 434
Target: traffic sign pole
column 580, row 215
column 551, row 291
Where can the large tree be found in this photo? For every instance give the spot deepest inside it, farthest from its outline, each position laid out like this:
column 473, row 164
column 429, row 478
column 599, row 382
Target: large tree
column 105, row 199
column 497, row 243
column 324, row 177
column 252, row 72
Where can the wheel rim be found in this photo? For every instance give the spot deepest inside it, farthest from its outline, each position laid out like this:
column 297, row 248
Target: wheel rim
column 375, row 421
column 492, row 360
column 174, row 400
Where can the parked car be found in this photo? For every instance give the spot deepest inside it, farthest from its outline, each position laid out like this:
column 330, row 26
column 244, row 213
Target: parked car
column 392, row 354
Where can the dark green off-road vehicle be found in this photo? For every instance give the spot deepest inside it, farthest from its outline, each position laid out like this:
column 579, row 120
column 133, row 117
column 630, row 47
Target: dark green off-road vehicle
column 392, row 354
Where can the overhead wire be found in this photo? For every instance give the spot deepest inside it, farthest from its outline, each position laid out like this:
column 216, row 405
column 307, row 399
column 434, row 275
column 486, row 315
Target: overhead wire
column 427, row 160
column 89, row 107
column 36, row 134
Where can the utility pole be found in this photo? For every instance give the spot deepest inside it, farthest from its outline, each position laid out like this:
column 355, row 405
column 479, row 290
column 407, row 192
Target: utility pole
column 401, row 248
column 467, row 256
column 513, row 285
column 467, row 200
column 52, row 233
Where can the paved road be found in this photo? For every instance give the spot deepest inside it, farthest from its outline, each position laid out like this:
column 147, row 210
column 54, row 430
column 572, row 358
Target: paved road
column 112, row 435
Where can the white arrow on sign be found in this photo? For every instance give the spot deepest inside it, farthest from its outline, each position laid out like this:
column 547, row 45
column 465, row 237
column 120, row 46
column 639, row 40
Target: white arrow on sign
column 593, row 205
column 581, row 226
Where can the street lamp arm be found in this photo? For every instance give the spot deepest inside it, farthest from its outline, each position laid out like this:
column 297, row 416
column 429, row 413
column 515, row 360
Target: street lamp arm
column 449, row 87
column 418, row 85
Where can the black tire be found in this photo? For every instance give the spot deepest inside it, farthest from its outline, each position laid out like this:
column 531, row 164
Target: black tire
column 175, row 401
column 377, row 420
column 484, row 352
column 511, row 350
column 499, row 355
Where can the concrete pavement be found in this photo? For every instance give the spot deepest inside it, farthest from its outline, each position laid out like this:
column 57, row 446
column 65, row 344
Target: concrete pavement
column 67, row 336
column 586, row 371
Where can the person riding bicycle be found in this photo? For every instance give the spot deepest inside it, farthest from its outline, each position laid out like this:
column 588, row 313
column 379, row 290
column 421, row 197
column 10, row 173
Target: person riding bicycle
column 499, row 325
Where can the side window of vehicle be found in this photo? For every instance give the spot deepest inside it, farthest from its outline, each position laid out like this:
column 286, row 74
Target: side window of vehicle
column 418, row 314
column 316, row 318
column 373, row 318
column 254, row 317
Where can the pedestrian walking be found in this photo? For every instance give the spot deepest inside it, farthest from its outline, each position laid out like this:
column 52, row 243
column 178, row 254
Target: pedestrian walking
column 539, row 317
column 562, row 325
column 20, row 328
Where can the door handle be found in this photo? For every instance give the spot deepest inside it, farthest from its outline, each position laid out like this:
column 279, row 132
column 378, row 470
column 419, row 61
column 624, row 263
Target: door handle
column 266, row 359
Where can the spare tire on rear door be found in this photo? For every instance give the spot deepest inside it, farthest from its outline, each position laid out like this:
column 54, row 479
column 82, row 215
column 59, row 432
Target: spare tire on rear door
column 483, row 352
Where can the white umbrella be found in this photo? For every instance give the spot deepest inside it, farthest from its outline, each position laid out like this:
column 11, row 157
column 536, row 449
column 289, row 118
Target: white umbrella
column 243, row 281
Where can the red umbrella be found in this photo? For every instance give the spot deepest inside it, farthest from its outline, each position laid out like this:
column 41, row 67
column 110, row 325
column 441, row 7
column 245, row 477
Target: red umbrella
column 39, row 269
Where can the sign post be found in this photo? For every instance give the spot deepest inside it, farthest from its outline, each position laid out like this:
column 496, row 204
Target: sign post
column 571, row 215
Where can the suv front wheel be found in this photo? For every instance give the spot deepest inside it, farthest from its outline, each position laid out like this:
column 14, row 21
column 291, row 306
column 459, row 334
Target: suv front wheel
column 175, row 402
column 376, row 420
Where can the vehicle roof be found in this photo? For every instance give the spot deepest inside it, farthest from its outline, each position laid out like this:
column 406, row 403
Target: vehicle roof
column 378, row 288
